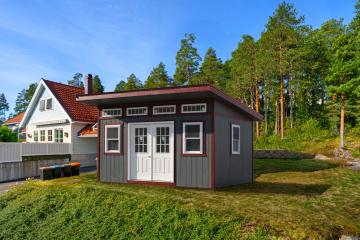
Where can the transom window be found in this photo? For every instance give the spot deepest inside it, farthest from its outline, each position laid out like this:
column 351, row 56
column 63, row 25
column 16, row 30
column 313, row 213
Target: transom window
column 193, row 138
column 235, row 139
column 112, row 138
column 136, row 111
column 59, row 135
column 141, row 141
column 193, row 108
column 50, row 135
column 42, row 135
column 167, row 109
column 162, row 140
column 36, row 136
column 113, row 112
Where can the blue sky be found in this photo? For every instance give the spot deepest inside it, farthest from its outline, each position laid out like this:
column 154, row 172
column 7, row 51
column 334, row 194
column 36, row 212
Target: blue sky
column 55, row 39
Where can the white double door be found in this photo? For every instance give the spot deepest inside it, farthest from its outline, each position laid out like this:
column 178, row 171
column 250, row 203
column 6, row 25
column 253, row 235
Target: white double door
column 151, row 151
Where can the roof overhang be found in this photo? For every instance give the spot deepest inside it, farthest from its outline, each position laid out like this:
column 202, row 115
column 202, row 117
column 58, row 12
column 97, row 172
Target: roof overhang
column 167, row 94
column 54, row 122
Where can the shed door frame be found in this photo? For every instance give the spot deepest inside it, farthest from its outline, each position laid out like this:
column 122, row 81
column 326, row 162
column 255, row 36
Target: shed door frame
column 152, row 146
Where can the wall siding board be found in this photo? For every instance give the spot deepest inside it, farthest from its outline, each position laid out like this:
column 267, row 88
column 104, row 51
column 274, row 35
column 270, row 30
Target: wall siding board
column 190, row 171
column 232, row 169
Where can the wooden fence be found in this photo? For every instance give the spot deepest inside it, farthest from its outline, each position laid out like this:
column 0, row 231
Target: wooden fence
column 13, row 152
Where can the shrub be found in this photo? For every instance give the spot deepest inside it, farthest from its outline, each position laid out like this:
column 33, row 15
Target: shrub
column 6, row 135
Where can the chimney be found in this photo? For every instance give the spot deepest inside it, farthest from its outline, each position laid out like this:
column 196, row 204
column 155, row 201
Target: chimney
column 88, row 84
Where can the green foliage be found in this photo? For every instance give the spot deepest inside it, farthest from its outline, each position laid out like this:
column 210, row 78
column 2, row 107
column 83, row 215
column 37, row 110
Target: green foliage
column 132, row 83
column 158, row 78
column 212, row 71
column 4, row 106
column 24, row 97
column 6, row 135
column 76, row 81
column 97, row 85
column 187, row 60
column 120, row 86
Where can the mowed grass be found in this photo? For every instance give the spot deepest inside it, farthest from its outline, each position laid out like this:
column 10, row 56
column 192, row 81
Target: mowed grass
column 294, row 199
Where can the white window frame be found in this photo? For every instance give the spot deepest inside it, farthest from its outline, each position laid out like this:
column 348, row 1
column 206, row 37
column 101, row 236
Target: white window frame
column 163, row 113
column 42, row 136
column 193, row 104
column 233, row 126
column 50, row 135
column 119, row 138
column 36, row 135
column 55, row 139
column 201, row 136
column 136, row 114
column 46, row 104
column 104, row 114
column 44, row 107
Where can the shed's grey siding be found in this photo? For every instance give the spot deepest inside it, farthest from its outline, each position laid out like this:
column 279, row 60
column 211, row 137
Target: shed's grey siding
column 189, row 171
column 232, row 169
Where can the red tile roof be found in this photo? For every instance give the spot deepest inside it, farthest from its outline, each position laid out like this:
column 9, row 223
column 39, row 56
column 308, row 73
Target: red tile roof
column 16, row 119
column 66, row 95
column 88, row 130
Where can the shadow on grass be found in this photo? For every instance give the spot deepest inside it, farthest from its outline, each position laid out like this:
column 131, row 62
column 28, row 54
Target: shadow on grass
column 263, row 166
column 279, row 188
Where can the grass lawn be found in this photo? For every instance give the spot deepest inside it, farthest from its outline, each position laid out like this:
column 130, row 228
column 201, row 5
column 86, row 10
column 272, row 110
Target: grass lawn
column 299, row 199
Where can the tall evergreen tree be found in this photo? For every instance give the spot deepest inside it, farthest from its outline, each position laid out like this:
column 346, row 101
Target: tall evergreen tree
column 187, row 60
column 212, row 71
column 24, row 97
column 158, row 77
column 76, row 81
column 4, row 106
column 120, row 86
column 133, row 83
column 97, row 85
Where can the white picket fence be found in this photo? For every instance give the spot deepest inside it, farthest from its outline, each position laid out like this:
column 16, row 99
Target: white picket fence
column 13, row 152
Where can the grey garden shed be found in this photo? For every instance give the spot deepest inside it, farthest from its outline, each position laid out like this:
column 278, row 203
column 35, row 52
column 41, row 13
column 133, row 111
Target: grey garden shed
column 193, row 136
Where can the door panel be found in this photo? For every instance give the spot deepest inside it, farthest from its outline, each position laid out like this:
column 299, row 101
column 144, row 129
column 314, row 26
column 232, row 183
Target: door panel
column 151, row 152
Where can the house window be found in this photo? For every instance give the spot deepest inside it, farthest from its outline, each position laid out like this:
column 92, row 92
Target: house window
column 193, row 108
column 42, row 135
column 59, row 135
column 141, row 141
column 112, row 138
column 113, row 112
column 36, row 136
column 50, row 136
column 42, row 105
column 235, row 139
column 167, row 109
column 193, row 138
column 136, row 111
column 48, row 103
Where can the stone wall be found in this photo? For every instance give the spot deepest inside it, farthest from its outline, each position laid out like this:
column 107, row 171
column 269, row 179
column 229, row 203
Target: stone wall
column 285, row 154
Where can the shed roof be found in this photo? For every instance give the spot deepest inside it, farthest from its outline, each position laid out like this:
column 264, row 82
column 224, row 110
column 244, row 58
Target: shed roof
column 166, row 94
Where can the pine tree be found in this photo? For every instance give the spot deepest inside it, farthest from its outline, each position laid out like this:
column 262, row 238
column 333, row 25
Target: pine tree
column 23, row 99
column 120, row 86
column 76, row 81
column 97, row 85
column 158, row 77
column 4, row 106
column 211, row 71
column 187, row 60
column 133, row 83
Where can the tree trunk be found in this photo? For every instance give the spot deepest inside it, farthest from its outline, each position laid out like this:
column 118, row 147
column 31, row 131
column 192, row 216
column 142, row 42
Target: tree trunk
column 291, row 93
column 281, row 95
column 276, row 128
column 342, row 120
column 266, row 114
column 257, row 106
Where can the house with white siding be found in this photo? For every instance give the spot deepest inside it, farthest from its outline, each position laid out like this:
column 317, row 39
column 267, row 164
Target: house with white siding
column 54, row 116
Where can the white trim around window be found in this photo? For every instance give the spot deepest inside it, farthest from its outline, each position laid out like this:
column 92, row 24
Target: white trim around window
column 193, row 141
column 111, row 112
column 136, row 111
column 164, row 109
column 114, row 139
column 193, row 108
column 235, row 139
